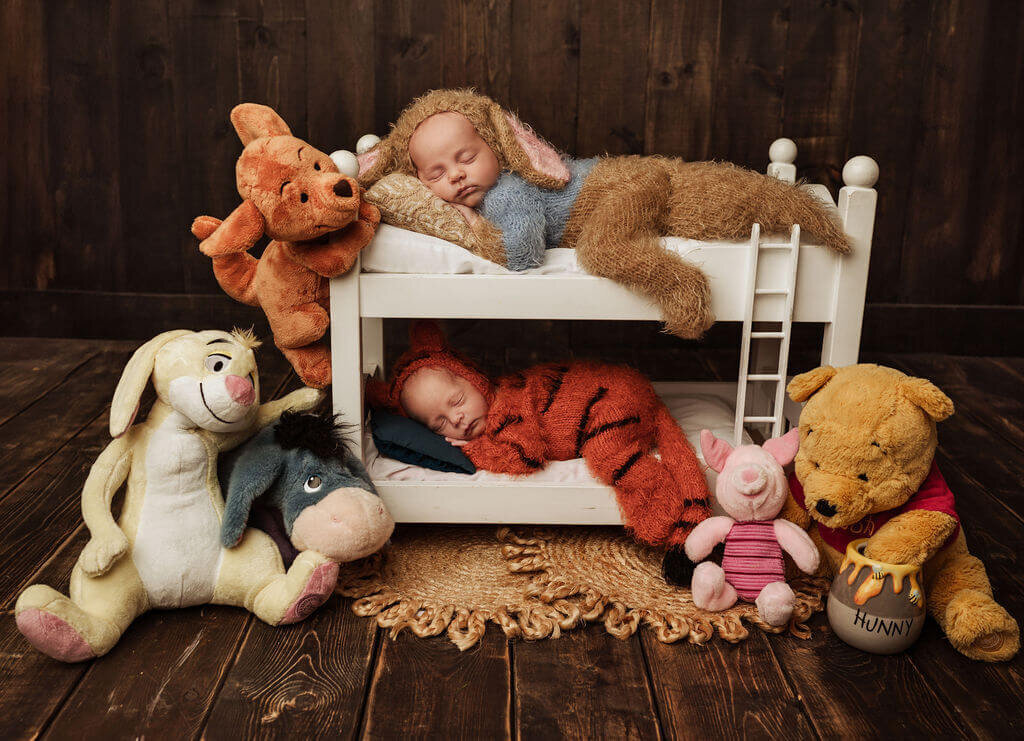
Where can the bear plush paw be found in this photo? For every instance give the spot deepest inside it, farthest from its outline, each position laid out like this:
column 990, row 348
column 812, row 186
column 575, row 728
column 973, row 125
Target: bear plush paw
column 981, row 629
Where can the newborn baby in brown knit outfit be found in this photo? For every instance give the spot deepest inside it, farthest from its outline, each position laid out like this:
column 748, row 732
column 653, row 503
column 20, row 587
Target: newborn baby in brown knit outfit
column 612, row 210
column 606, row 414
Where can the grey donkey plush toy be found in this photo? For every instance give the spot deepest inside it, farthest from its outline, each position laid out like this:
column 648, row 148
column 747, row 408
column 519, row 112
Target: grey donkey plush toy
column 298, row 481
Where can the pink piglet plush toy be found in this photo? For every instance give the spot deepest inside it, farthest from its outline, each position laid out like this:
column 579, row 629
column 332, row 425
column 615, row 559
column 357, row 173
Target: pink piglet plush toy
column 752, row 489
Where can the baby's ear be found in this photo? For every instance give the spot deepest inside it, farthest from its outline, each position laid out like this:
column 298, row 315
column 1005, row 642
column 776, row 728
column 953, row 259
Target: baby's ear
column 527, row 154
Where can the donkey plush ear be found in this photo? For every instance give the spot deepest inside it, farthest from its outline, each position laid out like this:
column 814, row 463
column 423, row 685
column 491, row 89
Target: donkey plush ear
column 927, row 395
column 253, row 121
column 802, row 387
column 250, row 476
column 714, row 450
column 526, row 153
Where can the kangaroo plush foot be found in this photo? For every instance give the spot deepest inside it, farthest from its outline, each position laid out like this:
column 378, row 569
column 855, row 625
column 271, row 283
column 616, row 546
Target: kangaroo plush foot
column 47, row 619
column 980, row 628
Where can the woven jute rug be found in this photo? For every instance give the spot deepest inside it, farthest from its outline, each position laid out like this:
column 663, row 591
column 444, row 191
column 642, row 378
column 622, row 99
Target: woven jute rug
column 535, row 583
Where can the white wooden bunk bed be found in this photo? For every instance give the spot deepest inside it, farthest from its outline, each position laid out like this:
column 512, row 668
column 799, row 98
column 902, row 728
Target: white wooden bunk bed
column 767, row 279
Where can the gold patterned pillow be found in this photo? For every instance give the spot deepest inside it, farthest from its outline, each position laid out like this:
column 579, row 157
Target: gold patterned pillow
column 407, row 203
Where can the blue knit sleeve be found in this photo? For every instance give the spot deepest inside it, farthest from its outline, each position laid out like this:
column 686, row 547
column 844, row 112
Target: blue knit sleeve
column 517, row 209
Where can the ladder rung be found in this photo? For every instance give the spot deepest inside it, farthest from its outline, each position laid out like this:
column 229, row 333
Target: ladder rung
column 770, row 292
column 775, row 246
column 764, row 377
column 767, row 335
column 759, row 419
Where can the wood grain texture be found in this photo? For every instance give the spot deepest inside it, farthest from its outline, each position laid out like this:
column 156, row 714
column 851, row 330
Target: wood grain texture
column 614, row 45
column 272, row 58
column 681, row 78
column 477, row 47
column 425, row 688
column 585, row 684
column 545, row 68
column 27, row 373
column 720, row 690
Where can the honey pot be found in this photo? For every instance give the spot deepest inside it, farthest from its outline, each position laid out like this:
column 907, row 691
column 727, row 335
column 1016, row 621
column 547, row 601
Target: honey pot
column 874, row 606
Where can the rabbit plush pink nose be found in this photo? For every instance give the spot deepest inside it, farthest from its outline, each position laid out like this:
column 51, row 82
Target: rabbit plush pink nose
column 750, row 480
column 240, row 389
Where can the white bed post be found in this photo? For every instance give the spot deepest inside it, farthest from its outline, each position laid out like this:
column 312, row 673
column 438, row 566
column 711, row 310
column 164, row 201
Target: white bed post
column 857, row 200
column 346, row 354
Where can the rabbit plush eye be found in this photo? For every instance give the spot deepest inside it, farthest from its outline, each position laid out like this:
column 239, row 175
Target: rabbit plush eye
column 217, row 362
column 313, row 484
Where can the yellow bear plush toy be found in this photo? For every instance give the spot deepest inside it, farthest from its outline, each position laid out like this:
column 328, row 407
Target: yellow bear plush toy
column 866, row 469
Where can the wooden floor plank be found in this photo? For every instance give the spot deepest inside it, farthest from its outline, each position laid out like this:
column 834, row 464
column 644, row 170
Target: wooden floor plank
column 298, row 681
column 29, row 437
column 584, row 684
column 426, row 688
column 721, row 690
column 30, row 368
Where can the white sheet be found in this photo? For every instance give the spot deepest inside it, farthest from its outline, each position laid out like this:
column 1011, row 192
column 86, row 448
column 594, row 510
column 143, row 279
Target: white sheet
column 395, row 250
column 694, row 412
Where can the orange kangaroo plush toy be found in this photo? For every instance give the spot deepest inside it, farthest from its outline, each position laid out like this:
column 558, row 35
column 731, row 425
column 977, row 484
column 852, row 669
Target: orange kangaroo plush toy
column 317, row 221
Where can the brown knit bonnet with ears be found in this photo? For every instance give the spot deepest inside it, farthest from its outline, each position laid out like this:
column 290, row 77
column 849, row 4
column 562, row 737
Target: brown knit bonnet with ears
column 514, row 143
column 428, row 348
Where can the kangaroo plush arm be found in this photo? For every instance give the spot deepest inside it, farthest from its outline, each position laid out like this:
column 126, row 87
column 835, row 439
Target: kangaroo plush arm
column 300, row 400
column 339, row 253
column 911, row 538
column 107, row 542
column 237, row 233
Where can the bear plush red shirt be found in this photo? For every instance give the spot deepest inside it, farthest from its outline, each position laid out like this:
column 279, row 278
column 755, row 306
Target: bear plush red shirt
column 934, row 496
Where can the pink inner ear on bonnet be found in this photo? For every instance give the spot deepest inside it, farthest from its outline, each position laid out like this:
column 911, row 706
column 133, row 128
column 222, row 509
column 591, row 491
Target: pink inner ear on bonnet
column 367, row 160
column 543, row 158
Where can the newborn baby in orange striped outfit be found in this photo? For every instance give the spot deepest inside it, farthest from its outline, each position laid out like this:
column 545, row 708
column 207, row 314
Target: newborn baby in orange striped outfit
column 606, row 414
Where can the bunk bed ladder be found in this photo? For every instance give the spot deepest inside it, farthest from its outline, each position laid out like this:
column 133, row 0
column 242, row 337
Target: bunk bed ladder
column 782, row 335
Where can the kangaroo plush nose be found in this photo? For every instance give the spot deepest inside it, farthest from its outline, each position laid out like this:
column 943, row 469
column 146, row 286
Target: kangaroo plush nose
column 240, row 389
column 343, row 188
column 825, row 508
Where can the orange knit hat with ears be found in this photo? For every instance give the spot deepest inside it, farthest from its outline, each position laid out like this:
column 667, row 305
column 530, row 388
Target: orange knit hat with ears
column 428, row 348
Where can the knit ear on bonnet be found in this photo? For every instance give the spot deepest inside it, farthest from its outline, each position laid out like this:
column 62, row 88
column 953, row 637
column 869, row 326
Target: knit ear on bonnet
column 517, row 147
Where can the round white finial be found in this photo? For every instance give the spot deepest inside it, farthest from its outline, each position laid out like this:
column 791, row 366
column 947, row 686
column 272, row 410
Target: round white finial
column 366, row 143
column 861, row 171
column 346, row 162
column 782, row 151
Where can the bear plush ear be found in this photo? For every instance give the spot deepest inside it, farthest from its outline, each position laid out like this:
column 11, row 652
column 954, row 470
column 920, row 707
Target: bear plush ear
column 802, row 387
column 253, row 121
column 926, row 395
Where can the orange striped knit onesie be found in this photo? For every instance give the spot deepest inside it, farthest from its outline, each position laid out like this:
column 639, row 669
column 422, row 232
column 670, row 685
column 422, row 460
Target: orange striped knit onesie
column 607, row 414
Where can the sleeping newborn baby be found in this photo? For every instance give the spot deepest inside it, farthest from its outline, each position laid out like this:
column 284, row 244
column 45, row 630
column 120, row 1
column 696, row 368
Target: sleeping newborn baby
column 606, row 414
column 460, row 168
column 613, row 211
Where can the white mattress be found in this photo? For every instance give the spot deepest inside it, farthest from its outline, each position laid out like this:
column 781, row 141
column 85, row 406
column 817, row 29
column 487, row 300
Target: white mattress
column 694, row 412
column 395, row 250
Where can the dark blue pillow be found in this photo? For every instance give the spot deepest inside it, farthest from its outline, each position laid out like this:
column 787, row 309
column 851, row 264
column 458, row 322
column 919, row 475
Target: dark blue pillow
column 408, row 441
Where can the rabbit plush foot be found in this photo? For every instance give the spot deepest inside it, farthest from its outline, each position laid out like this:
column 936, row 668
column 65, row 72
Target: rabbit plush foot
column 38, row 619
column 293, row 596
column 710, row 589
column 775, row 603
column 979, row 628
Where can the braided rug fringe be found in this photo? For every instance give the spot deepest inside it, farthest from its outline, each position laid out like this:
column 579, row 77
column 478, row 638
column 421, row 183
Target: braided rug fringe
column 674, row 618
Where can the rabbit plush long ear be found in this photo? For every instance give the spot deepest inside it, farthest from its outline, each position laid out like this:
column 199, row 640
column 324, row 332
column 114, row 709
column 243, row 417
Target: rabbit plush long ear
column 251, row 475
column 253, row 121
column 136, row 374
column 526, row 153
column 802, row 387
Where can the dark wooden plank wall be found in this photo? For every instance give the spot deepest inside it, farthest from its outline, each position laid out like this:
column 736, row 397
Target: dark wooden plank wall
column 115, row 118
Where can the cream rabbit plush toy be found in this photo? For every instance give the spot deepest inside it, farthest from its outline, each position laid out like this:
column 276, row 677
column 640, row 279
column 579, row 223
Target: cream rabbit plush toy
column 165, row 549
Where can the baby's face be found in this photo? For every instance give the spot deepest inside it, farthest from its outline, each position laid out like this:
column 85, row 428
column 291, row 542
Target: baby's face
column 446, row 403
column 452, row 160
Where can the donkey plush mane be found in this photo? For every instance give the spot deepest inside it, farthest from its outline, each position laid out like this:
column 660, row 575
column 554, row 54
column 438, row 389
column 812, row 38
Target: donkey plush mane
column 321, row 433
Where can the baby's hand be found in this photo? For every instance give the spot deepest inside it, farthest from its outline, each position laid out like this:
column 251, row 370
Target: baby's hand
column 469, row 214
column 457, row 443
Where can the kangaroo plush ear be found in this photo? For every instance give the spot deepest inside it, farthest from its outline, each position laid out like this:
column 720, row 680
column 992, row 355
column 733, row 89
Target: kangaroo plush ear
column 927, row 395
column 802, row 387
column 237, row 233
column 253, row 121
column 133, row 381
column 250, row 476
column 783, row 449
column 714, row 450
column 526, row 153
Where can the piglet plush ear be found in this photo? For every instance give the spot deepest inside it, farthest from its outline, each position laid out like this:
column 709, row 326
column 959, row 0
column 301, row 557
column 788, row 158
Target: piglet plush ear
column 253, row 121
column 715, row 451
column 783, row 449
